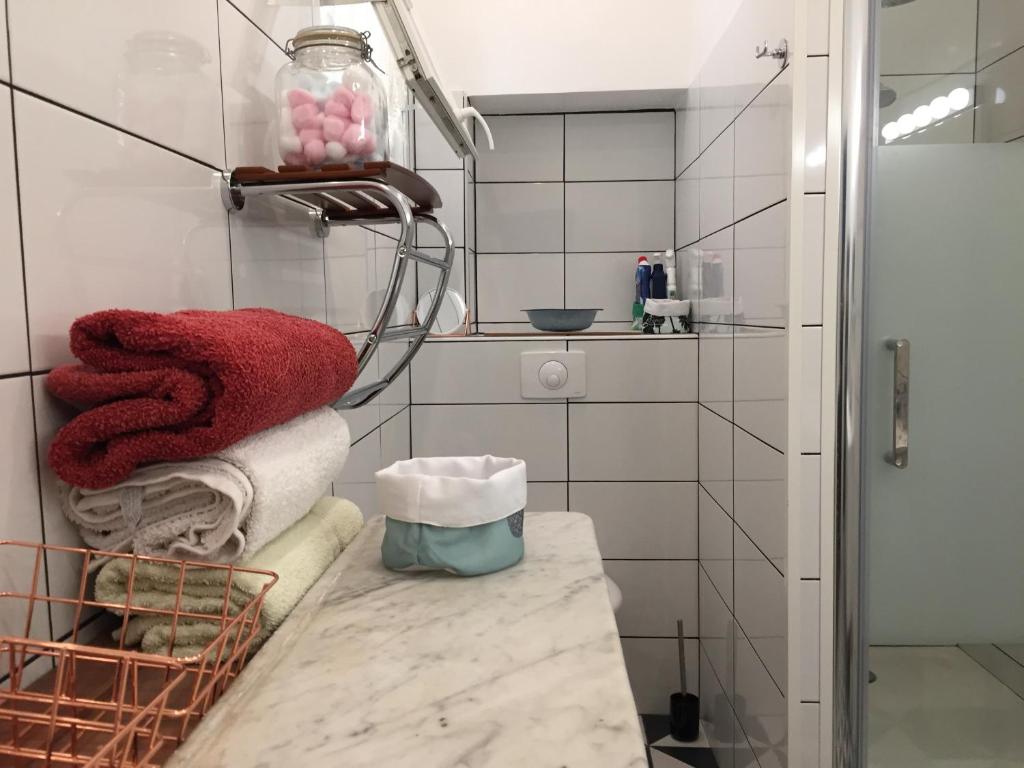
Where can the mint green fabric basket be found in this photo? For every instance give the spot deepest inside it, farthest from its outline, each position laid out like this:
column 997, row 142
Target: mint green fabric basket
column 461, row 514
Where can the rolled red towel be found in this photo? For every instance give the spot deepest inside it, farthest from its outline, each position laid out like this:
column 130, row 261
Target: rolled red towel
column 177, row 386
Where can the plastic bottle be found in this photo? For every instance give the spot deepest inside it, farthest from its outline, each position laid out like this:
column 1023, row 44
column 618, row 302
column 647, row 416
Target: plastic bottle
column 643, row 280
column 659, row 282
column 670, row 271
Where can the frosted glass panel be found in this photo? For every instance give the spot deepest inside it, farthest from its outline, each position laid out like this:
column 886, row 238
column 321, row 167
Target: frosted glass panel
column 946, row 535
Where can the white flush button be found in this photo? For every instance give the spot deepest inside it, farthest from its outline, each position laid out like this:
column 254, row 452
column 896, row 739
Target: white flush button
column 553, row 374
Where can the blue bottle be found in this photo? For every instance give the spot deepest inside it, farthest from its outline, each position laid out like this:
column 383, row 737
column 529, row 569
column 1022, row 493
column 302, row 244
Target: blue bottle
column 643, row 280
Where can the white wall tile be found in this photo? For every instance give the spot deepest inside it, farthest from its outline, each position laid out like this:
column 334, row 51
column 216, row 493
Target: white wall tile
column 80, row 181
column 716, row 714
column 715, row 369
column 644, row 370
column 937, row 36
column 534, row 433
column 14, row 346
column 526, row 148
column 395, row 441
column 472, row 371
column 716, row 545
column 64, row 572
column 687, row 129
column 640, row 520
column 810, row 624
column 350, row 276
column 717, row 630
column 1000, row 115
column 810, row 392
column 717, row 254
column 810, row 724
column 276, row 260
column 20, row 518
column 1000, row 29
column 546, row 497
column 761, row 274
column 653, row 667
column 761, row 605
column 813, row 257
column 716, row 463
column 913, row 91
column 602, row 281
column 817, row 27
column 600, row 449
column 655, row 594
column 760, row 706
column 619, row 145
column 760, row 488
column 763, row 140
column 5, row 70
column 508, row 283
column 760, row 383
column 451, row 186
column 519, row 218
column 149, row 67
column 688, row 206
column 816, row 157
column 810, row 520
column 396, row 396
column 356, row 481
column 249, row 63
column 280, row 22
column 432, row 150
column 619, row 216
column 717, row 181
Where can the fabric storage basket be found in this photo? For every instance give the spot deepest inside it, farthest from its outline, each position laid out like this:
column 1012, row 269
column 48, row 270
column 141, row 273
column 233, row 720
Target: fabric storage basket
column 462, row 514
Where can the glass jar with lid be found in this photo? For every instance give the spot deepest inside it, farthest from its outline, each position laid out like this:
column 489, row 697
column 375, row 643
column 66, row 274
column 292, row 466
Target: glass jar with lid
column 332, row 107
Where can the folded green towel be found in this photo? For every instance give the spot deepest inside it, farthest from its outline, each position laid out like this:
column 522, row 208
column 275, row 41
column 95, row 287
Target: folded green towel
column 299, row 556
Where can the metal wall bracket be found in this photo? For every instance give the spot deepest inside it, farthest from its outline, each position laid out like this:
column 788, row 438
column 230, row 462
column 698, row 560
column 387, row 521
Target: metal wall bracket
column 781, row 52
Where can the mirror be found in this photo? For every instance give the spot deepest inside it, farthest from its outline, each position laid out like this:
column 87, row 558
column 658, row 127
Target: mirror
column 453, row 316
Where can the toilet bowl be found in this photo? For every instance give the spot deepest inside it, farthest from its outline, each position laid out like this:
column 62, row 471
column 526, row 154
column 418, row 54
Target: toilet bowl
column 614, row 593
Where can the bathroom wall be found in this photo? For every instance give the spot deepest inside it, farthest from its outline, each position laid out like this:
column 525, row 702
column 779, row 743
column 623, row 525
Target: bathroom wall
column 930, row 48
column 736, row 135
column 626, row 453
column 113, row 135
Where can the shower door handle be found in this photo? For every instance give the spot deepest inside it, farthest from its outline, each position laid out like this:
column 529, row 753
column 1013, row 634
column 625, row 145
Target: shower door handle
column 900, row 455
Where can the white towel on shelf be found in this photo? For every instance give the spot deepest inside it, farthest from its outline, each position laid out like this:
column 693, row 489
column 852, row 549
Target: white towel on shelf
column 222, row 507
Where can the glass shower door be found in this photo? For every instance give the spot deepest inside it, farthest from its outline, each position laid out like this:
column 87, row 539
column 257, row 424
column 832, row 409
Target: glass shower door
column 943, row 456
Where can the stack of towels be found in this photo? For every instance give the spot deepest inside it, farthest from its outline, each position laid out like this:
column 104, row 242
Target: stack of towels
column 205, row 436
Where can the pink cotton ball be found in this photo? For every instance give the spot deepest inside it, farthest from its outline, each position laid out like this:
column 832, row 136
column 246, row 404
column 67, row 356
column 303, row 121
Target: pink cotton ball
column 359, row 141
column 343, row 95
column 295, row 158
column 336, row 151
column 336, row 109
column 362, row 109
column 299, row 96
column 304, row 116
column 334, row 128
column 315, row 151
column 307, row 135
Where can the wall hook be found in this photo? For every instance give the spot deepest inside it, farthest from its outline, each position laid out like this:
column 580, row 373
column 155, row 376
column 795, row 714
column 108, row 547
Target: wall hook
column 781, row 52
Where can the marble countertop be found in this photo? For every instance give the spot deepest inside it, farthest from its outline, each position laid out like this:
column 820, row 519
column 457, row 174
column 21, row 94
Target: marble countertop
column 390, row 670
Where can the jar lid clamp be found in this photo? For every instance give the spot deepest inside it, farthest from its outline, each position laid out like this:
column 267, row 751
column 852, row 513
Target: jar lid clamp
column 343, row 37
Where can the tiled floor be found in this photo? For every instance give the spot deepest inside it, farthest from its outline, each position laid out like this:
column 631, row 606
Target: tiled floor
column 935, row 707
column 665, row 752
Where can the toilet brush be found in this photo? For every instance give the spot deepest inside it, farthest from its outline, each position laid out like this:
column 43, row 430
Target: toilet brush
column 684, row 708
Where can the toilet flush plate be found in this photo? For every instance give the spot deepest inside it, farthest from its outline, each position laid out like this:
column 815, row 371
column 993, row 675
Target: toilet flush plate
column 553, row 375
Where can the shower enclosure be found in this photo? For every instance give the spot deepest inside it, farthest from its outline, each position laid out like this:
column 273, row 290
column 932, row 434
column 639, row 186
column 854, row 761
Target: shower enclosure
column 930, row 474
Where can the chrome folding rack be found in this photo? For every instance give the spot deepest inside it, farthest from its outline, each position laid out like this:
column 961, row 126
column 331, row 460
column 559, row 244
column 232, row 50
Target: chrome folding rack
column 381, row 193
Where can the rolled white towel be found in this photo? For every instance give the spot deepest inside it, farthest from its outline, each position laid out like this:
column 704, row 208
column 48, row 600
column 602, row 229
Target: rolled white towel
column 219, row 508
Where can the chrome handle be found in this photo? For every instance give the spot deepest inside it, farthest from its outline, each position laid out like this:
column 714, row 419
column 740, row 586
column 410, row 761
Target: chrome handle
column 780, row 53
column 900, row 455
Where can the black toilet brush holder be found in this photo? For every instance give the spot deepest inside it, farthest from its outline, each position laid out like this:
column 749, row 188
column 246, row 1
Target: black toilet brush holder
column 684, row 707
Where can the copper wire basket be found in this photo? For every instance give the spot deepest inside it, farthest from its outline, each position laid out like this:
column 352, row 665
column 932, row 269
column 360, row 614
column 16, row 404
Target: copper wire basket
column 92, row 701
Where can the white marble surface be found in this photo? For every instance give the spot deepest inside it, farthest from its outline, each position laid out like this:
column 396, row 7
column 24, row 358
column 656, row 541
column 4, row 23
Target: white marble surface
column 374, row 668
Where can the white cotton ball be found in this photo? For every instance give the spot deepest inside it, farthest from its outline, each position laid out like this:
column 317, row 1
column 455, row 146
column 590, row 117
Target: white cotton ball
column 289, row 143
column 336, row 151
